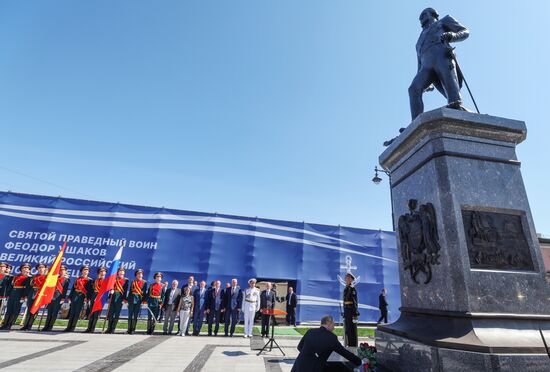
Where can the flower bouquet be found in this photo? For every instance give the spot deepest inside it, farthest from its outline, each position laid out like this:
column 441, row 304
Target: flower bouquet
column 367, row 353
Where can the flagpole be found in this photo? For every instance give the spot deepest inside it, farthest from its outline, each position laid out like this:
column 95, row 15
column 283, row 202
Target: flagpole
column 107, row 316
column 41, row 317
column 24, row 316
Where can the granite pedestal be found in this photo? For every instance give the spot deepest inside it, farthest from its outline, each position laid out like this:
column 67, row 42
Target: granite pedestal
column 478, row 299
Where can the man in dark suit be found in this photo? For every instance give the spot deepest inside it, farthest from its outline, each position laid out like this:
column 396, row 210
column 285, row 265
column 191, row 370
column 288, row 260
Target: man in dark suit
column 232, row 302
column 199, row 306
column 436, row 64
column 214, row 306
column 222, row 313
column 317, row 345
column 191, row 284
column 383, row 306
column 291, row 302
column 170, row 304
column 267, row 301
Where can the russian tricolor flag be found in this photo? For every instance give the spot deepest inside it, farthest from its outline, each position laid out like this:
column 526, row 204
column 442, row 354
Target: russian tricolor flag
column 108, row 283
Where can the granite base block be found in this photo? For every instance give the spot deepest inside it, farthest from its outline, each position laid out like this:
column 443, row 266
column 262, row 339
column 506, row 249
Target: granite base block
column 400, row 354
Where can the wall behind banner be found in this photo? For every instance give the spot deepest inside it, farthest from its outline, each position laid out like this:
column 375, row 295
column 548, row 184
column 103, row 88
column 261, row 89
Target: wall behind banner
column 209, row 246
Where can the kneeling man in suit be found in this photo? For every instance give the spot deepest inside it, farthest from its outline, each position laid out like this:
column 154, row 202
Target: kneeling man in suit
column 317, row 345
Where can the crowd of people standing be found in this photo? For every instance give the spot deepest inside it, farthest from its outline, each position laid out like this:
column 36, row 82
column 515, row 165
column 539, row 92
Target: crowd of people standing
column 194, row 303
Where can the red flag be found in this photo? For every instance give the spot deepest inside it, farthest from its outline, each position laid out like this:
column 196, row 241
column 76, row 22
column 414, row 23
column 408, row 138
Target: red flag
column 47, row 290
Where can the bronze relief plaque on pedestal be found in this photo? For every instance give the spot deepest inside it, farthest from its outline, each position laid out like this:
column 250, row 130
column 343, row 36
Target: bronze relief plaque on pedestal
column 496, row 240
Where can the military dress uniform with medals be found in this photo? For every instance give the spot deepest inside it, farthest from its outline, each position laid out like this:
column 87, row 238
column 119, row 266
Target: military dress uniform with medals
column 18, row 291
column 138, row 291
column 36, row 284
column 118, row 296
column 80, row 292
column 59, row 296
column 96, row 287
column 350, row 313
column 155, row 295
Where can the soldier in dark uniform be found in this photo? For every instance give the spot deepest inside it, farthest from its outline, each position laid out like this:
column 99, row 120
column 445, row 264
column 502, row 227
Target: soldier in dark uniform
column 96, row 286
column 36, row 284
column 138, row 291
column 80, row 291
column 350, row 311
column 59, row 295
column 154, row 302
column 5, row 278
column 18, row 291
column 119, row 294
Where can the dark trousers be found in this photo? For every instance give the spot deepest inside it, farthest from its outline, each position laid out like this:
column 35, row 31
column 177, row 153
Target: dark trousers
column 351, row 328
column 436, row 64
column 198, row 318
column 383, row 315
column 92, row 321
column 114, row 314
column 133, row 314
column 74, row 312
column 13, row 308
column 213, row 316
column 265, row 324
column 231, row 316
column 29, row 318
column 53, row 310
column 291, row 316
column 150, row 321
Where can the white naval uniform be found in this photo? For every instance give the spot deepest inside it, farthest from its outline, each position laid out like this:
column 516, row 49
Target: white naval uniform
column 251, row 304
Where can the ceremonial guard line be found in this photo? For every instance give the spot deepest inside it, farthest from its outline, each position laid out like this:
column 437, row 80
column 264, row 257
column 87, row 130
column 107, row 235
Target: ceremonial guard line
column 191, row 302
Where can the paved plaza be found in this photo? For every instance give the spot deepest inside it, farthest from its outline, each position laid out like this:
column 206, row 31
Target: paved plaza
column 34, row 351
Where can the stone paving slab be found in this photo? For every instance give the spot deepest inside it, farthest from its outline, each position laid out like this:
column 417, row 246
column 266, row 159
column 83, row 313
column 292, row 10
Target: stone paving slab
column 83, row 352
column 33, row 351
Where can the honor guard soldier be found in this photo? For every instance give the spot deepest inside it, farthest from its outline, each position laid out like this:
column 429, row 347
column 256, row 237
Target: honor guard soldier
column 118, row 296
column 251, row 305
column 154, row 302
column 138, row 290
column 79, row 294
column 5, row 289
column 19, row 288
column 59, row 295
column 4, row 285
column 350, row 311
column 37, row 282
column 96, row 287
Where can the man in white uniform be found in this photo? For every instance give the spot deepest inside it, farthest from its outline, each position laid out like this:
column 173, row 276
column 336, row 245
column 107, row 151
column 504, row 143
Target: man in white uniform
column 251, row 304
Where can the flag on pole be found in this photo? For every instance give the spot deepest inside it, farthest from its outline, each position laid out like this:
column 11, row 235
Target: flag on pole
column 45, row 295
column 108, row 282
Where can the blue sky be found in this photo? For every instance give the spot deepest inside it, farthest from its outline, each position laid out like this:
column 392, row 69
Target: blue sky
column 274, row 109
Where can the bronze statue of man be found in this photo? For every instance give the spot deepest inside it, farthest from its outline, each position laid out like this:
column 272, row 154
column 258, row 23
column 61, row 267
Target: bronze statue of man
column 436, row 64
